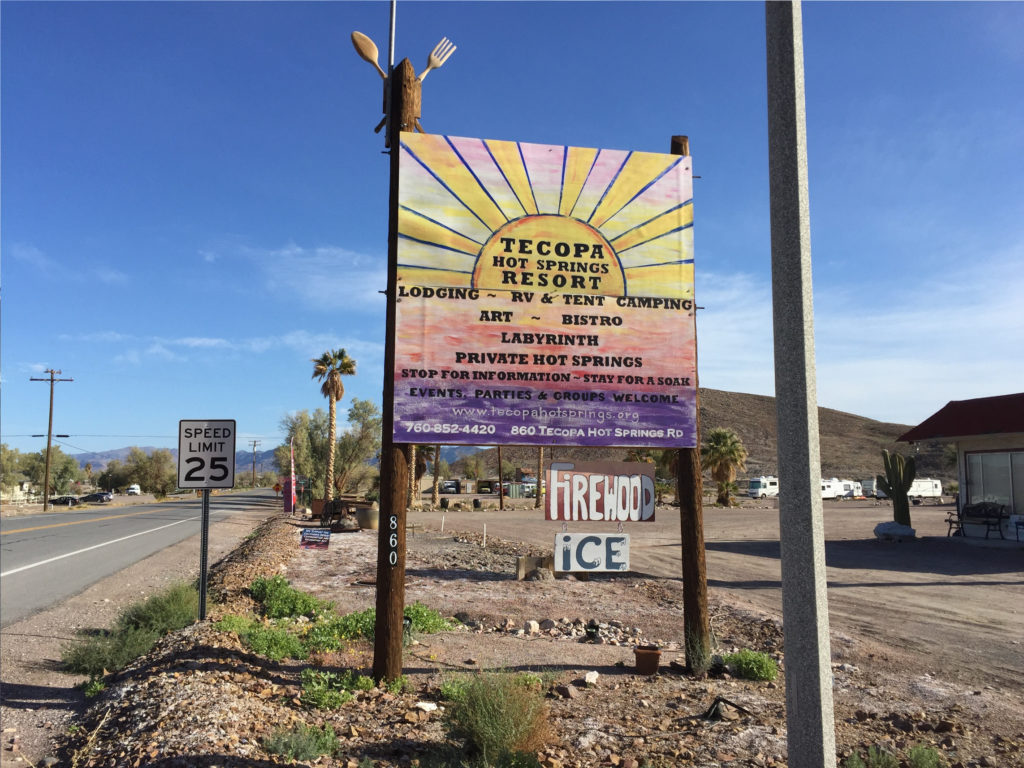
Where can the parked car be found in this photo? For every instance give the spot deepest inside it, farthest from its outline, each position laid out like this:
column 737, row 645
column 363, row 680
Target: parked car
column 134, row 490
column 64, row 501
column 100, row 497
column 450, row 486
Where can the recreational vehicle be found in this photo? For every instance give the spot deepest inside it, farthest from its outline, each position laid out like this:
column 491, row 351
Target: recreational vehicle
column 921, row 488
column 763, row 487
column 840, row 489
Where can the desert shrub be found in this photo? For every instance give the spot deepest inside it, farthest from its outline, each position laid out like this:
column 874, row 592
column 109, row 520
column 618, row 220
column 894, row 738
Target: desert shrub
column 853, row 761
column 323, row 690
column 498, row 717
column 275, row 643
column 302, row 742
column 240, row 625
column 879, row 758
column 328, row 633
column 281, row 600
column 453, row 687
column 426, row 620
column 96, row 655
column 94, row 687
column 136, row 630
column 752, row 665
column 164, row 612
column 921, row 756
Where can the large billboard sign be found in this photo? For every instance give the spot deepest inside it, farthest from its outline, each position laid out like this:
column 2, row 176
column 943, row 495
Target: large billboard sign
column 545, row 295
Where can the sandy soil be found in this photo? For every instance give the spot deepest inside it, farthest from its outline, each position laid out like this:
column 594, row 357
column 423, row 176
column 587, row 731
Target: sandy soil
column 932, row 623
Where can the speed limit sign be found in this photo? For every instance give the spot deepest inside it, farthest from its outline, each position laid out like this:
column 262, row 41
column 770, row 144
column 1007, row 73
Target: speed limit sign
column 206, row 454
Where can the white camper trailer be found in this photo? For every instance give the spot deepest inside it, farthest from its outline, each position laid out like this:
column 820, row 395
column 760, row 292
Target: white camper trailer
column 763, row 487
column 840, row 489
column 921, row 488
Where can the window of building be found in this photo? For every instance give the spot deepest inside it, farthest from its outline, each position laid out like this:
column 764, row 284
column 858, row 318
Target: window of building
column 996, row 477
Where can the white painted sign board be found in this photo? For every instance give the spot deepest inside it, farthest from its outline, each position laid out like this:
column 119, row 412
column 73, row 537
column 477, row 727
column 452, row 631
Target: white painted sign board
column 592, row 552
column 206, row 453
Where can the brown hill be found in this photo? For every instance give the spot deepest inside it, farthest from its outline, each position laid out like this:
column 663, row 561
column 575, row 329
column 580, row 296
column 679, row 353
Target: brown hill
column 850, row 445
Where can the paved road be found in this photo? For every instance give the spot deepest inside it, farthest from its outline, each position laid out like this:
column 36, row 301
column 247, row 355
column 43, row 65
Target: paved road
column 46, row 558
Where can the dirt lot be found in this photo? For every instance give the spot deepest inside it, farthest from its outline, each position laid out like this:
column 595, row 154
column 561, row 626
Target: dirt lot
column 936, row 660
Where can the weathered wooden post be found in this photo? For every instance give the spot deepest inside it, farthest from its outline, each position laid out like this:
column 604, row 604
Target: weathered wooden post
column 689, row 492
column 404, row 108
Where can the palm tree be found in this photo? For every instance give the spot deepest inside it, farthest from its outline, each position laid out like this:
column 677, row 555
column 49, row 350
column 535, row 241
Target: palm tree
column 724, row 455
column 329, row 368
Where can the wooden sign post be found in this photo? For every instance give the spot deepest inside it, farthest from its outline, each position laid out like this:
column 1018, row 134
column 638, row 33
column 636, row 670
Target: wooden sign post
column 403, row 96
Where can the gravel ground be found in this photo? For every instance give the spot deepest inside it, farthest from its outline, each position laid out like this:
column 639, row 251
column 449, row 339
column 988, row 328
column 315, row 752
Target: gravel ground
column 202, row 699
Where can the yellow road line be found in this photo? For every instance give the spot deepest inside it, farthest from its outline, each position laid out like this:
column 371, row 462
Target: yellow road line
column 76, row 522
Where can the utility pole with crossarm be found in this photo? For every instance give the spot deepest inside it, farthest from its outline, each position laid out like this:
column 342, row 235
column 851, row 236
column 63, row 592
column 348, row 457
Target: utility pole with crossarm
column 49, row 437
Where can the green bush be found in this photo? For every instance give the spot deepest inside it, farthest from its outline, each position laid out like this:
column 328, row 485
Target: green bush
column 752, row 665
column 302, row 742
column 168, row 611
column 327, row 633
column 453, row 687
column 94, row 687
column 281, row 600
column 135, row 632
column 498, row 717
column 853, row 761
column 96, row 655
column 879, row 758
column 275, row 643
column 240, row 625
column 426, row 620
column 921, row 756
column 323, row 690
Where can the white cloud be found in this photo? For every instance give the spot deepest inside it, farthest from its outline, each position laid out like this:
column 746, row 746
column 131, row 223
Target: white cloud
column 326, row 277
column 161, row 352
column 110, row 276
column 29, row 254
column 98, row 337
column 954, row 335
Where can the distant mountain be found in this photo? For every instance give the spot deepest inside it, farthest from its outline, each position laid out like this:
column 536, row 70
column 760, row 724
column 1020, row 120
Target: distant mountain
column 243, row 459
column 851, row 445
column 100, row 459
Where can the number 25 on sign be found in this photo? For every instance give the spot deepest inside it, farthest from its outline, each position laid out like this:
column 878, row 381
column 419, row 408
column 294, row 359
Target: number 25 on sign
column 206, row 454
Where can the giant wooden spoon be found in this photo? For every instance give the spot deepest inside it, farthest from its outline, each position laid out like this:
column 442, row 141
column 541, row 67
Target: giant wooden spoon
column 367, row 51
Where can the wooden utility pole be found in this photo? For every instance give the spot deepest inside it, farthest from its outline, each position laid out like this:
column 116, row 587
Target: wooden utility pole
column 689, row 492
column 540, row 477
column 501, row 483
column 403, row 99
column 49, row 437
column 255, row 444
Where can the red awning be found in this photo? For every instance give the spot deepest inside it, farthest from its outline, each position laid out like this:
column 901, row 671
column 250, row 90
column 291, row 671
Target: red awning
column 962, row 418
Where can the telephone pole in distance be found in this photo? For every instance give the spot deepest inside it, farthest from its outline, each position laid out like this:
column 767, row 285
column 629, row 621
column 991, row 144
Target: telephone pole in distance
column 49, row 436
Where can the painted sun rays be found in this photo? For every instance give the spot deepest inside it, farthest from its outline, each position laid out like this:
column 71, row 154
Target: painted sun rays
column 466, row 190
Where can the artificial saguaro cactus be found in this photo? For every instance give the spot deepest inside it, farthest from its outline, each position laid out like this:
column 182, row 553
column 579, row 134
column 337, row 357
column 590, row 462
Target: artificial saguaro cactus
column 899, row 475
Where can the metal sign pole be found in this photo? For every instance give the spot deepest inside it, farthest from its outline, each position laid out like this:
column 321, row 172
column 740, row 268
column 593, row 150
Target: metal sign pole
column 204, row 546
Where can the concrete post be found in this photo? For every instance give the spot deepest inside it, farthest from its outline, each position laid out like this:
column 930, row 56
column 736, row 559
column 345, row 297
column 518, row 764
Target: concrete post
column 809, row 713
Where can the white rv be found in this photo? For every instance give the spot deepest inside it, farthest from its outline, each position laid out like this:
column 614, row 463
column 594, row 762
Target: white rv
column 840, row 489
column 873, row 490
column 763, row 487
column 922, row 488
column 925, row 488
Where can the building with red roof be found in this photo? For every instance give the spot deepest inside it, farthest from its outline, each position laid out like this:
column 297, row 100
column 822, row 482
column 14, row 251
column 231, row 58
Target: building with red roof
column 988, row 433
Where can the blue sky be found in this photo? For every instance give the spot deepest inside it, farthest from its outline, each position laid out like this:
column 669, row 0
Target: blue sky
column 194, row 203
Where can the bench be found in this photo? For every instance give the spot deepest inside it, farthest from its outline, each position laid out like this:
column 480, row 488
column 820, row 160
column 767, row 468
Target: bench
column 986, row 513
